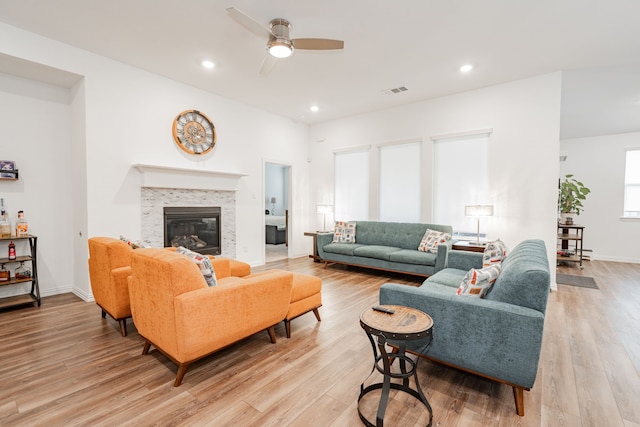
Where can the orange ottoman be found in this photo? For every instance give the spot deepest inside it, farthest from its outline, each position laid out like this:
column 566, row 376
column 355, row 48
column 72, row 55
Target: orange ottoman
column 305, row 296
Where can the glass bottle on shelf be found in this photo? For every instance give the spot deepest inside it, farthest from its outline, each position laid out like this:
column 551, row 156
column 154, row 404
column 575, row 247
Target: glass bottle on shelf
column 5, row 276
column 5, row 224
column 12, row 251
column 22, row 226
column 22, row 272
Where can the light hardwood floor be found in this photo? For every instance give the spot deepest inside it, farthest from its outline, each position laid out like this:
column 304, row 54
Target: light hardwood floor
column 62, row 365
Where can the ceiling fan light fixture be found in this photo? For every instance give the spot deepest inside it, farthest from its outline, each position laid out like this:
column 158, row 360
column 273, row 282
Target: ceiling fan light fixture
column 280, row 48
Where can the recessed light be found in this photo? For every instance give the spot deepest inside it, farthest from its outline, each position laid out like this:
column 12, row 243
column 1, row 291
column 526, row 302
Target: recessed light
column 208, row 64
column 466, row 68
column 314, row 108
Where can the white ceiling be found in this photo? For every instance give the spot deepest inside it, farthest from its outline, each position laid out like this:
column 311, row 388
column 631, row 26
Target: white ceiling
column 419, row 44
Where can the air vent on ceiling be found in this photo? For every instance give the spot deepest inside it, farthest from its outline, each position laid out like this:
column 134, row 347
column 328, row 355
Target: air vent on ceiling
column 395, row 90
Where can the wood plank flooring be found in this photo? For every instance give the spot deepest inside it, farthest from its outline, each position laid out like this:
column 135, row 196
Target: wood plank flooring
column 63, row 365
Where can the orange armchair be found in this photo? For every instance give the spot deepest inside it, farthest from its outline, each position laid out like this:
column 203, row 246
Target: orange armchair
column 109, row 268
column 175, row 311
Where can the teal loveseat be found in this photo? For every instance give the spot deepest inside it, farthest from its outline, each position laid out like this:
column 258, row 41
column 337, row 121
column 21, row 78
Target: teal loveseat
column 498, row 337
column 391, row 246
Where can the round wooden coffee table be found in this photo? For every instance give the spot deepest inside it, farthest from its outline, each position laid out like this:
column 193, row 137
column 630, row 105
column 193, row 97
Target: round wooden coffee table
column 405, row 324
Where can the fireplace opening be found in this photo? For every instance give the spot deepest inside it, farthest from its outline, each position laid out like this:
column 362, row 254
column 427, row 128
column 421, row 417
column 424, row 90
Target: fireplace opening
column 196, row 228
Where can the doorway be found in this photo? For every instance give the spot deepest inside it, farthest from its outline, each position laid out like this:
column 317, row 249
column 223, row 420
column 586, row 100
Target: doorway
column 276, row 210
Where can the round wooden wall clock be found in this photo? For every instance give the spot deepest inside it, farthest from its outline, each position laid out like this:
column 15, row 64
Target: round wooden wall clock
column 194, row 132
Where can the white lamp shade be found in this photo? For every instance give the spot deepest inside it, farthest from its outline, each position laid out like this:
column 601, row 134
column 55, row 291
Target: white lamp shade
column 324, row 209
column 273, row 200
column 478, row 210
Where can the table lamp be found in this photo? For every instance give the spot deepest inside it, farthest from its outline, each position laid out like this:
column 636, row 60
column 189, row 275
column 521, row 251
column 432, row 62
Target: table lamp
column 273, row 205
column 324, row 210
column 478, row 211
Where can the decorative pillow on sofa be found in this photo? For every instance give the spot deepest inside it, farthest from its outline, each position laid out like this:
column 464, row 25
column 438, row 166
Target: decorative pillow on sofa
column 203, row 262
column 134, row 244
column 344, row 232
column 432, row 239
column 476, row 283
column 494, row 253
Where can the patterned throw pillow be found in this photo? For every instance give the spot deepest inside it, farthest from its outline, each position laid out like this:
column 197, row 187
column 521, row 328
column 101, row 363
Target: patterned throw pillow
column 476, row 283
column 344, row 232
column 494, row 253
column 203, row 262
column 133, row 243
column 432, row 239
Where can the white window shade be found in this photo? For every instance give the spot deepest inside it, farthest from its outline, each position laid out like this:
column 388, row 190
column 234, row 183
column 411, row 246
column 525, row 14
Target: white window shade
column 400, row 182
column 632, row 184
column 351, row 182
column 461, row 178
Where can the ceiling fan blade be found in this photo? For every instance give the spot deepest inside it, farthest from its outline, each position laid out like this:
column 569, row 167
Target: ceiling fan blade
column 267, row 64
column 318, row 44
column 249, row 23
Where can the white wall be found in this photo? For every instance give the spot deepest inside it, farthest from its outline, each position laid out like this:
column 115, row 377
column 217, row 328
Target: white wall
column 599, row 162
column 34, row 118
column 523, row 153
column 126, row 116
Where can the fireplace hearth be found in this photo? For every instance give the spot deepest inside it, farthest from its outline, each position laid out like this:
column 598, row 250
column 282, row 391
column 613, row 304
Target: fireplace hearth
column 196, row 228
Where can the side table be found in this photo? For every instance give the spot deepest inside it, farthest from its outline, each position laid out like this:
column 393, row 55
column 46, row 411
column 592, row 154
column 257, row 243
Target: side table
column 405, row 324
column 315, row 255
column 463, row 245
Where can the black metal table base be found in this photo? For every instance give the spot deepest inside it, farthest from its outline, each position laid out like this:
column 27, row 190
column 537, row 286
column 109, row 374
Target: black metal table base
column 386, row 385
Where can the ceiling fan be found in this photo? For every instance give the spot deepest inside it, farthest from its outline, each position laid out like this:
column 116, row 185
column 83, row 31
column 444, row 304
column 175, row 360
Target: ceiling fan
column 279, row 44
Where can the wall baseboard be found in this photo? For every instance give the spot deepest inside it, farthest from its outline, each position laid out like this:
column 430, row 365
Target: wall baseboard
column 614, row 259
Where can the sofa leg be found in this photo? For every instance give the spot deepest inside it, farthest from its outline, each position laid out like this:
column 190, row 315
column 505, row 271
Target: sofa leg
column 104, row 314
column 518, row 394
column 272, row 334
column 145, row 349
column 123, row 327
column 287, row 327
column 182, row 369
column 317, row 313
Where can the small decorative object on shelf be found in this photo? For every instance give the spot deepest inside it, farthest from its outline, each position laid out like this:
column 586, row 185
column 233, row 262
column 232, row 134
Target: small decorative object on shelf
column 22, row 272
column 5, row 224
column 22, row 226
column 8, row 170
column 12, row 251
column 4, row 275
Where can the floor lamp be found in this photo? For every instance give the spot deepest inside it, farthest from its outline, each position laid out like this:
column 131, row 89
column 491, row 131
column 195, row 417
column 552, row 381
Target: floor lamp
column 478, row 211
column 324, row 210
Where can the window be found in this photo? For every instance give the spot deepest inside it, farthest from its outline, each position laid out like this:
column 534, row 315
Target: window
column 351, row 182
column 632, row 184
column 400, row 182
column 460, row 178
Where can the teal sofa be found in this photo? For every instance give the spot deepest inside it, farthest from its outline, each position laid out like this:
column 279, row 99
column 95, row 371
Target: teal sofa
column 391, row 246
column 498, row 337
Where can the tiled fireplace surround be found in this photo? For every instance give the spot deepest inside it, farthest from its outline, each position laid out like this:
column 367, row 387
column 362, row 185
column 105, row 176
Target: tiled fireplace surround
column 162, row 186
column 154, row 199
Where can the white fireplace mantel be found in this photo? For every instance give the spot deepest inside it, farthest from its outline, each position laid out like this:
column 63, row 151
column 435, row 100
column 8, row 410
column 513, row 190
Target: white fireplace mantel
column 200, row 179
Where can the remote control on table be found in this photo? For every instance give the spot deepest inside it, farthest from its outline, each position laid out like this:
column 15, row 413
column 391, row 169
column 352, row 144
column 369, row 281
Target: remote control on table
column 383, row 309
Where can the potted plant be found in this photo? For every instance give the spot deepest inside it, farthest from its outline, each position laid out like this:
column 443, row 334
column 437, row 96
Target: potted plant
column 571, row 194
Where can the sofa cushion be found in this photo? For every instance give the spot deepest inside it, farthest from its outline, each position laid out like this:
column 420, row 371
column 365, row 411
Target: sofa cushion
column 374, row 251
column 494, row 253
column 432, row 239
column 477, row 282
column 450, row 277
column 397, row 234
column 341, row 248
column 203, row 262
column 344, row 232
column 409, row 256
column 525, row 278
